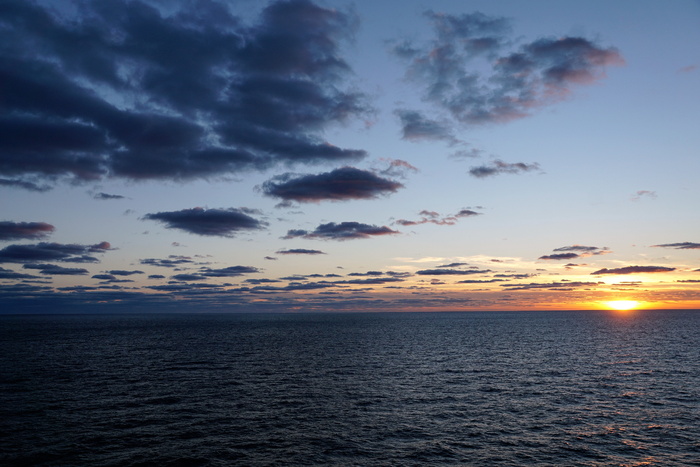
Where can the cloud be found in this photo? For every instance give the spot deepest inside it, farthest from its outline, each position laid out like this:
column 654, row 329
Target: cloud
column 477, row 281
column 644, row 193
column 514, row 80
column 499, row 167
column 563, row 285
column 372, row 281
column 417, row 127
column 560, row 256
column 120, row 272
column 576, row 251
column 231, row 271
column 106, row 196
column 172, row 261
column 25, row 184
column 341, row 184
column 300, row 251
column 633, row 270
column 53, row 269
column 187, row 277
column 341, row 231
column 124, row 89
column 24, row 230
column 10, row 274
column 451, row 272
column 70, row 253
column 452, row 265
column 434, row 217
column 397, row 168
column 680, row 246
column 213, row 222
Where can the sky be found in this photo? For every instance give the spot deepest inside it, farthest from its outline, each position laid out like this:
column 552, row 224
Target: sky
column 290, row 156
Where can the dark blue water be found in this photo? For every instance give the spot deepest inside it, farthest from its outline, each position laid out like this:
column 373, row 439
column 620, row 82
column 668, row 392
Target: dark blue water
column 546, row 388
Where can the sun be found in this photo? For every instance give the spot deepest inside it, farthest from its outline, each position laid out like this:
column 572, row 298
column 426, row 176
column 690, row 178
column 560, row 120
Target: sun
column 622, row 305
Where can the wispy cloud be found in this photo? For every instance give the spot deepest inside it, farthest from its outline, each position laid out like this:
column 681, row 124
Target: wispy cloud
column 680, row 246
column 517, row 80
column 498, row 167
column 433, row 217
column 24, row 184
column 107, row 196
column 212, row 222
column 417, row 127
column 576, row 251
column 644, row 194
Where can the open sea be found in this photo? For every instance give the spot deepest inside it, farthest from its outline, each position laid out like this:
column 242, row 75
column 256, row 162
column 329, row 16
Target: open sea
column 487, row 389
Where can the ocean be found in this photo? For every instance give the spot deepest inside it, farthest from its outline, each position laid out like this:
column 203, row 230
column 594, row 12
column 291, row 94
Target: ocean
column 588, row 388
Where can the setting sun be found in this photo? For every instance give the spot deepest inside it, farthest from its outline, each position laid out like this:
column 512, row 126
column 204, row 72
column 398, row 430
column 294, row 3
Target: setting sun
column 622, row 305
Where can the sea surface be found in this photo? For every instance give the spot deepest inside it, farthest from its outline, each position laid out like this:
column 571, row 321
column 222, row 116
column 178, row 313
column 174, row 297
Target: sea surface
column 484, row 389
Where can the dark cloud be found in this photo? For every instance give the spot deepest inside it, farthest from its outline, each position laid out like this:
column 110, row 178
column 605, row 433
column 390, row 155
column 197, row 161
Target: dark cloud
column 498, row 167
column 261, row 281
column 300, row 251
column 450, row 272
column 231, row 271
column 120, row 272
column 514, row 276
column 516, row 80
column 680, row 246
column 585, row 250
column 124, row 89
column 340, row 184
column 214, row 222
column 187, row 277
column 434, row 217
column 10, row 274
column 576, row 251
column 24, row 230
column 477, row 281
column 172, row 261
column 341, row 231
column 70, row 253
column 560, row 256
column 106, row 196
column 52, row 269
column 104, row 277
column 156, row 276
column 368, row 273
column 633, row 270
column 270, row 258
column 372, row 280
column 417, row 127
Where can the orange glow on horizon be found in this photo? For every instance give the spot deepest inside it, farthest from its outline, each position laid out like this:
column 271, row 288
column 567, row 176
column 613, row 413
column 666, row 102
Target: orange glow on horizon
column 622, row 305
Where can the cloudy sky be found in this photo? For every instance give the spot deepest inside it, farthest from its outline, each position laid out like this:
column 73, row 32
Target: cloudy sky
column 204, row 155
